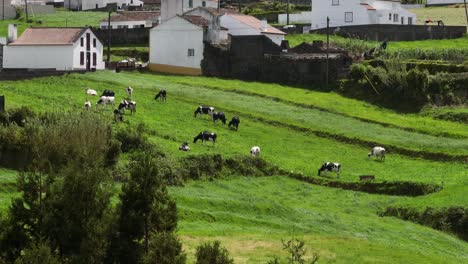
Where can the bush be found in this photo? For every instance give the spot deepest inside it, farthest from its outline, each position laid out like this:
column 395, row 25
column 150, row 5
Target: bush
column 165, row 248
column 38, row 254
column 17, row 116
column 452, row 219
column 132, row 138
column 208, row 253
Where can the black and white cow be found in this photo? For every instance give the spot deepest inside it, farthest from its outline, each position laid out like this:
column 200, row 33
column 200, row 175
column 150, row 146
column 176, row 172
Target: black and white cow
column 378, row 152
column 129, row 91
column 330, row 166
column 108, row 93
column 205, row 136
column 203, row 110
column 161, row 95
column 87, row 105
column 255, row 151
column 127, row 104
column 105, row 100
column 184, row 147
column 219, row 116
column 235, row 121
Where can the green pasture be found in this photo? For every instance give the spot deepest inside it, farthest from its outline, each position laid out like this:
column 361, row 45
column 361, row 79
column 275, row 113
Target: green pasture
column 451, row 16
column 251, row 215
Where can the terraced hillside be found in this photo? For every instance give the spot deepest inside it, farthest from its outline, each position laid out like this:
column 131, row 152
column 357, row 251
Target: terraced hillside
column 297, row 130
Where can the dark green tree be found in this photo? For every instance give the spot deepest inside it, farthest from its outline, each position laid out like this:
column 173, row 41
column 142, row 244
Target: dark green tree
column 38, row 254
column 165, row 248
column 208, row 253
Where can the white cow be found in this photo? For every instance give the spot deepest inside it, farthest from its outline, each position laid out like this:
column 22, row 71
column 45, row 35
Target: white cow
column 129, row 91
column 255, row 151
column 87, row 105
column 378, row 152
column 91, row 92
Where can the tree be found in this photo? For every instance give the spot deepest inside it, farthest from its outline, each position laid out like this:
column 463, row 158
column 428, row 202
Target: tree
column 296, row 252
column 208, row 253
column 145, row 208
column 165, row 248
column 38, row 254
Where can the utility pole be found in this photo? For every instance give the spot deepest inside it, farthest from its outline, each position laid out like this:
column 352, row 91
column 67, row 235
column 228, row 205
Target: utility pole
column 3, row 9
column 328, row 44
column 240, row 6
column 466, row 13
column 287, row 13
column 109, row 30
column 27, row 16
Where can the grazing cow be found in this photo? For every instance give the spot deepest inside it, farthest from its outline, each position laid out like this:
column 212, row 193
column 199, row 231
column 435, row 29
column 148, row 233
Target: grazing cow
column 105, row 100
column 118, row 117
column 235, row 121
column 220, row 116
column 87, row 105
column 330, row 166
column 129, row 91
column 91, row 92
column 203, row 110
column 161, row 95
column 127, row 104
column 205, row 136
column 378, row 152
column 108, row 93
column 255, row 151
column 184, row 147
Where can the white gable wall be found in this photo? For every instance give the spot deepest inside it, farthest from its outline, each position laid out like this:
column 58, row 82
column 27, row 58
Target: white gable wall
column 170, row 42
column 77, row 49
column 199, row 3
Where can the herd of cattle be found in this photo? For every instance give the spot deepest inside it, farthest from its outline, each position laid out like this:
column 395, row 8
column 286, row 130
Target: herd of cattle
column 108, row 98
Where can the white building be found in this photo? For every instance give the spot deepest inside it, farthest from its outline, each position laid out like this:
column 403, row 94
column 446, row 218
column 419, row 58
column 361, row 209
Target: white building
column 171, row 8
column 94, row 4
column 191, row 4
column 359, row 12
column 443, row 2
column 132, row 19
column 53, row 48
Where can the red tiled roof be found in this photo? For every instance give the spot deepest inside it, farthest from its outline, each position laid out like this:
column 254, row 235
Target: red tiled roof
column 134, row 16
column 196, row 20
column 369, row 7
column 256, row 24
column 49, row 36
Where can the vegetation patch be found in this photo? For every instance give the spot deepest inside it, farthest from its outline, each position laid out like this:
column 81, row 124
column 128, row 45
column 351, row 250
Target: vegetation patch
column 399, row 188
column 452, row 219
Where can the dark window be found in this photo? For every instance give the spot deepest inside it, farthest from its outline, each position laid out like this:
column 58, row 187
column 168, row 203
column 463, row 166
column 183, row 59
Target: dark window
column 410, row 21
column 395, row 18
column 335, row 2
column 190, row 3
column 82, row 42
column 402, row 20
column 82, row 58
column 94, row 58
column 88, row 41
column 94, row 43
column 203, row 4
column 191, row 52
column 348, row 17
column 390, row 16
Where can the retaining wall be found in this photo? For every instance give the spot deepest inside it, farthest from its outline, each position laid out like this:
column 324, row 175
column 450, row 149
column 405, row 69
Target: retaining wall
column 123, row 35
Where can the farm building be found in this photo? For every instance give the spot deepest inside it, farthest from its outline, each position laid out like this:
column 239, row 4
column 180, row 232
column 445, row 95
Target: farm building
column 99, row 4
column 359, row 12
column 176, row 46
column 132, row 19
column 62, row 49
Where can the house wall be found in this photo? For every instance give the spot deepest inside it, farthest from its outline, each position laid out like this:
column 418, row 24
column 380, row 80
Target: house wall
column 58, row 57
column 128, row 24
column 170, row 8
column 10, row 11
column 443, row 2
column 302, row 17
column 169, row 44
column 93, row 4
column 199, row 3
column 77, row 49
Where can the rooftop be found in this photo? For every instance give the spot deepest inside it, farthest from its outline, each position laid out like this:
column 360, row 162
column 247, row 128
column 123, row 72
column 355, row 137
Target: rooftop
column 49, row 36
column 196, row 20
column 134, row 16
column 256, row 24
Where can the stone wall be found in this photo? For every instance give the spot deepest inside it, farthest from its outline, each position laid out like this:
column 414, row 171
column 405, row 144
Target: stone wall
column 397, row 32
column 18, row 74
column 123, row 35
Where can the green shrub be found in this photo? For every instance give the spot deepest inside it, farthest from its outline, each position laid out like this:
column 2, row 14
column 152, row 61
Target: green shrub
column 132, row 138
column 165, row 248
column 208, row 253
column 18, row 116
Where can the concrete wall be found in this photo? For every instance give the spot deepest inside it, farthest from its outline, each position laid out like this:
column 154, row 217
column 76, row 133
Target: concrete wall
column 397, row 32
column 40, row 9
column 169, row 45
column 170, row 8
column 303, row 17
column 124, row 35
column 38, row 57
column 9, row 13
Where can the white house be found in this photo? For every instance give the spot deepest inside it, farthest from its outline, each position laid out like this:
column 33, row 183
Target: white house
column 132, row 19
column 176, row 46
column 359, row 12
column 94, row 4
column 191, row 4
column 53, row 48
column 171, row 8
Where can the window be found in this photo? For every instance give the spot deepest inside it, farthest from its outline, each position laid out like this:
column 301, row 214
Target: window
column 335, row 2
column 94, row 58
column 191, row 52
column 88, row 41
column 203, row 3
column 81, row 42
column 125, row 26
column 119, row 26
column 190, row 3
column 348, row 17
column 136, row 26
column 82, row 58
column 395, row 18
column 390, row 16
column 410, row 21
column 104, row 27
column 94, row 43
column 402, row 20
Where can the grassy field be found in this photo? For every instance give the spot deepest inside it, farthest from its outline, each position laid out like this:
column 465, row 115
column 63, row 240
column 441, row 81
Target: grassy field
column 450, row 15
column 251, row 215
column 57, row 19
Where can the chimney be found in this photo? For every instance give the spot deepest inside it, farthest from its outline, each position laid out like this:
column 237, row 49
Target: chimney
column 264, row 25
column 12, row 33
